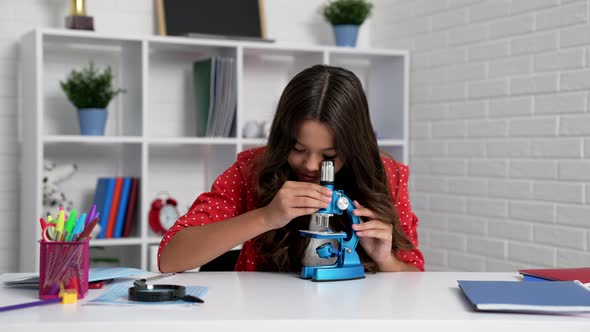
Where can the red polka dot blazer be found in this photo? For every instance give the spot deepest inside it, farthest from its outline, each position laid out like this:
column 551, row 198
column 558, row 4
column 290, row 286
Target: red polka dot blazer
column 233, row 193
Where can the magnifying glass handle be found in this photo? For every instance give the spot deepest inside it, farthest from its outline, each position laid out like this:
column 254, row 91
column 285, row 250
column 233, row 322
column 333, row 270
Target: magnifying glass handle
column 193, row 299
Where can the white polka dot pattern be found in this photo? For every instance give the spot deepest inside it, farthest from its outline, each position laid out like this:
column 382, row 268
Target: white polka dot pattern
column 233, row 193
column 407, row 218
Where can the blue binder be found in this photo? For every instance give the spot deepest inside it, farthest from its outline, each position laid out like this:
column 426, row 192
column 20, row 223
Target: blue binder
column 120, row 221
column 518, row 296
column 104, row 202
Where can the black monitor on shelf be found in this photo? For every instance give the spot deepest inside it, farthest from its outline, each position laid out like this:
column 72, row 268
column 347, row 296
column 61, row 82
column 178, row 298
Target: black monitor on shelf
column 234, row 19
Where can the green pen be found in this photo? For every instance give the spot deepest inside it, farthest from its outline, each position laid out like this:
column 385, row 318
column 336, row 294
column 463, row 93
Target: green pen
column 70, row 224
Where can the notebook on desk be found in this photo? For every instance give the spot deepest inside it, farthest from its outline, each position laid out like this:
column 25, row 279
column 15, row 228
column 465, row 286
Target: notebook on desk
column 527, row 297
column 582, row 274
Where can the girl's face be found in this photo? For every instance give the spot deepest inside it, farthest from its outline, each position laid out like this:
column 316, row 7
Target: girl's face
column 314, row 143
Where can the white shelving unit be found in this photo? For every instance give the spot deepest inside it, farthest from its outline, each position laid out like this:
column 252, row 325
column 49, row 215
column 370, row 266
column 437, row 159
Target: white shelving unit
column 151, row 129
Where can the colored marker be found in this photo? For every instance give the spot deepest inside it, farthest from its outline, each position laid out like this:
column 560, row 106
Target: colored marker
column 80, row 224
column 29, row 304
column 59, row 225
column 69, row 226
column 91, row 214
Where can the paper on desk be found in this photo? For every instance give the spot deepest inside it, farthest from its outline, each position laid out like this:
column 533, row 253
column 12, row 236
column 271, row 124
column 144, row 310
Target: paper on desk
column 117, row 294
column 94, row 274
column 106, row 273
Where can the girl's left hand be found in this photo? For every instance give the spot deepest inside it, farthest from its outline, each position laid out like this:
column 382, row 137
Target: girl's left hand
column 375, row 236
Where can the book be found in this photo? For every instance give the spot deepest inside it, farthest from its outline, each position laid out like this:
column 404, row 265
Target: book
column 231, row 97
column 202, row 72
column 527, row 297
column 114, row 208
column 120, row 219
column 531, row 278
column 132, row 207
column 582, row 274
column 214, row 81
column 107, row 199
column 215, row 99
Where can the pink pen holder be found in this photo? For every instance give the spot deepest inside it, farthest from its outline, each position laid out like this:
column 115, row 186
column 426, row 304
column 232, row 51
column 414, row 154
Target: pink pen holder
column 63, row 265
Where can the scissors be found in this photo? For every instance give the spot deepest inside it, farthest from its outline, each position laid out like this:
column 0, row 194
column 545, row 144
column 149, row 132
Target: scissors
column 49, row 232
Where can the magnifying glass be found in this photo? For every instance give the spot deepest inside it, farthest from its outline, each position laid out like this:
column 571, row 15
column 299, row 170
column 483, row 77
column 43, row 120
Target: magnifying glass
column 143, row 292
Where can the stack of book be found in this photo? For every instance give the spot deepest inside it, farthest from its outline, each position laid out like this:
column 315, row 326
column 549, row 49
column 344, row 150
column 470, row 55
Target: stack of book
column 580, row 273
column 215, row 96
column 559, row 291
column 116, row 200
column 527, row 297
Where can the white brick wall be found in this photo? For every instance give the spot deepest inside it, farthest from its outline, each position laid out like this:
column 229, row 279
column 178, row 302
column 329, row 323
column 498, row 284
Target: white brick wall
column 287, row 21
column 500, row 139
column 500, row 127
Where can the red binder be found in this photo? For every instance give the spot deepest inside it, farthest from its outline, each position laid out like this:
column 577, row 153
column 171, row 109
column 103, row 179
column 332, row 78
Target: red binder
column 582, row 274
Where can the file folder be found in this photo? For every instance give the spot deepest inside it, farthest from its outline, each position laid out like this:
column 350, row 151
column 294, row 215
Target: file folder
column 527, row 297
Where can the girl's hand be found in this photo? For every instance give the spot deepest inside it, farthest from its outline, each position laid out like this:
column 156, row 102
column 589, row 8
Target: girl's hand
column 375, row 236
column 295, row 199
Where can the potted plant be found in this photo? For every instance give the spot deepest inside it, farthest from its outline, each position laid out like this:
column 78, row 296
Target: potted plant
column 90, row 91
column 346, row 16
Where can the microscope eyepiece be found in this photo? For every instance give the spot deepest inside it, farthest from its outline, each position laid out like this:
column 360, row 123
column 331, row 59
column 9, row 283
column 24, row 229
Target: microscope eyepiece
column 327, row 172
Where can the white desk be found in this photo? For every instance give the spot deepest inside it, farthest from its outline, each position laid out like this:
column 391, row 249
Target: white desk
column 276, row 302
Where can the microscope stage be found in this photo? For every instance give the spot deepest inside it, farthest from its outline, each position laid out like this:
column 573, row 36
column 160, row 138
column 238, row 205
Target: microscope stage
column 323, row 235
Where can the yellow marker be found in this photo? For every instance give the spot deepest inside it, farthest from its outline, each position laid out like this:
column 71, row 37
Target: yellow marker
column 60, row 225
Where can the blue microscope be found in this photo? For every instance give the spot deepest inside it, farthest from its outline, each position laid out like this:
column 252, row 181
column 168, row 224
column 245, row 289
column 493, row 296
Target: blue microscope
column 348, row 265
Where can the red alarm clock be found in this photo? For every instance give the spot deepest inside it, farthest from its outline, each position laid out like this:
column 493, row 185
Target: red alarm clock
column 163, row 214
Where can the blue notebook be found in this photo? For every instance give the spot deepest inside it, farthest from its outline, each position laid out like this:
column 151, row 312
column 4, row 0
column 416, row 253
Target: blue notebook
column 518, row 296
column 526, row 277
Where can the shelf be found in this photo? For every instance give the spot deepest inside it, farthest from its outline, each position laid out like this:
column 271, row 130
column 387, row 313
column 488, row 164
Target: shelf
column 91, row 139
column 154, row 240
column 192, row 140
column 115, row 242
column 254, row 141
column 66, row 35
column 367, row 53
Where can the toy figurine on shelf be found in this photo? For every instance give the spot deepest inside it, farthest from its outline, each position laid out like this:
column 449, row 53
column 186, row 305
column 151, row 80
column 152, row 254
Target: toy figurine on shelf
column 54, row 196
column 348, row 265
column 77, row 19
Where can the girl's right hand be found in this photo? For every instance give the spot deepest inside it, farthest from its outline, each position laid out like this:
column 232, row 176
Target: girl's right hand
column 295, row 199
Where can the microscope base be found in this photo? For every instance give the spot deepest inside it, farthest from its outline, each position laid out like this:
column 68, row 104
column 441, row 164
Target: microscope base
column 331, row 273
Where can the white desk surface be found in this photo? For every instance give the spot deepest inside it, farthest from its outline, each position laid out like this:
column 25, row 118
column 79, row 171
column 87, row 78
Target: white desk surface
column 270, row 301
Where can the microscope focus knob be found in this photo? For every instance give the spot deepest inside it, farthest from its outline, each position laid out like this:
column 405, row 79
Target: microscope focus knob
column 342, row 203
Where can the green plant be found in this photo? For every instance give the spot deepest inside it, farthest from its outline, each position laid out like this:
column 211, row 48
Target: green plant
column 89, row 87
column 347, row 11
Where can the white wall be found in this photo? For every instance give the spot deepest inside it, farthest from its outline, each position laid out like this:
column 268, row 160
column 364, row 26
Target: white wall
column 287, row 21
column 500, row 130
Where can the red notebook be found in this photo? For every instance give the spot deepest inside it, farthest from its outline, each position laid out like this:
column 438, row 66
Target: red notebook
column 582, row 274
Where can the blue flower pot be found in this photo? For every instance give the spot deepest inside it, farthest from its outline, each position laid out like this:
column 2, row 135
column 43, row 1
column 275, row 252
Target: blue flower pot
column 346, row 34
column 92, row 121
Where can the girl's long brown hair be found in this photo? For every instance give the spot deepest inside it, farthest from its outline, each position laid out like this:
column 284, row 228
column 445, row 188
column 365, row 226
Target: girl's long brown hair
column 335, row 97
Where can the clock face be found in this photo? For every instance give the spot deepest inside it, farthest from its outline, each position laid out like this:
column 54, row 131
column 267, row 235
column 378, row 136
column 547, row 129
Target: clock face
column 168, row 216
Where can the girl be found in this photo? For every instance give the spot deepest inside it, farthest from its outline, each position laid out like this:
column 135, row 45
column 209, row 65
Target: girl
column 266, row 196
